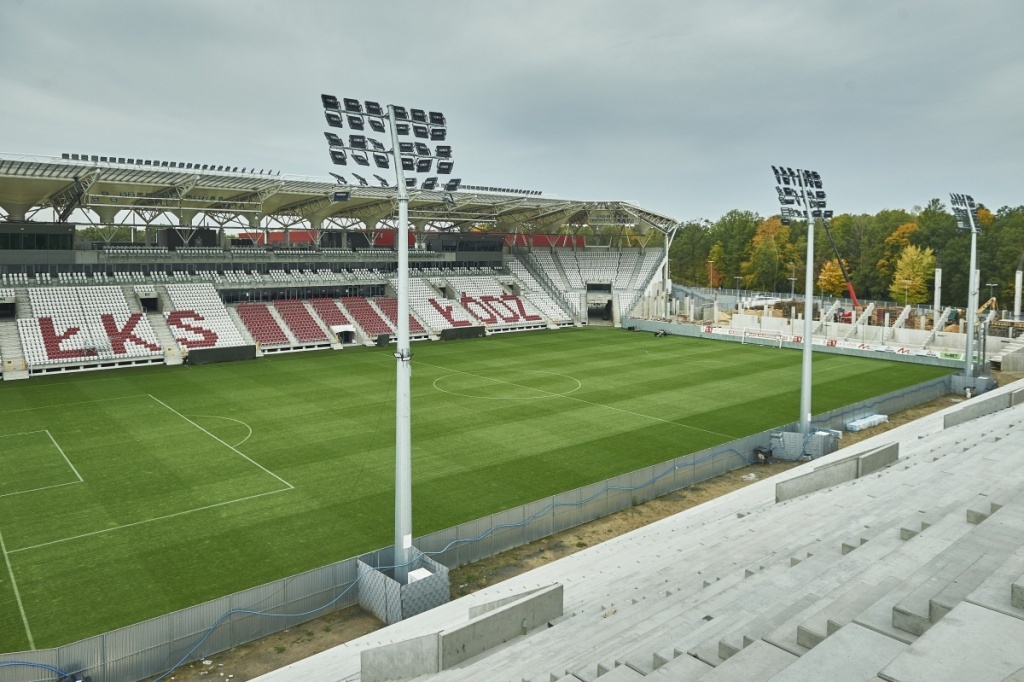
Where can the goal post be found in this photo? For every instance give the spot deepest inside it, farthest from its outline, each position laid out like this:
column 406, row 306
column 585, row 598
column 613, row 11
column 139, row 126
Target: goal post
column 763, row 337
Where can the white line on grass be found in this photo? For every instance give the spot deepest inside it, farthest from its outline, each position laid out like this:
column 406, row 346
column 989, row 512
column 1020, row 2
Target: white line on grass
column 587, row 402
column 45, row 487
column 144, row 521
column 21, row 433
column 227, row 445
column 82, row 402
column 17, row 594
column 61, row 451
column 230, row 419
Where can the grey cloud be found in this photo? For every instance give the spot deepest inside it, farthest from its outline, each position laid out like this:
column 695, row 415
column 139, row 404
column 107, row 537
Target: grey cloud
column 679, row 105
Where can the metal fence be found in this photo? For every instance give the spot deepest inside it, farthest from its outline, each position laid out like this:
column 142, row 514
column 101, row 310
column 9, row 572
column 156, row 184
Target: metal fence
column 154, row 646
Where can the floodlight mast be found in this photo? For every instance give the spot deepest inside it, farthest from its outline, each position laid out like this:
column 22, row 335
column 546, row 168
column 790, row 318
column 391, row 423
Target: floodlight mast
column 433, row 128
column 403, row 394
column 964, row 204
column 806, row 181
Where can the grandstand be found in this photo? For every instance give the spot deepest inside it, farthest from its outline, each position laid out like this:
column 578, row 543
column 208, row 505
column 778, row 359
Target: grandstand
column 912, row 570
column 236, row 285
column 244, row 303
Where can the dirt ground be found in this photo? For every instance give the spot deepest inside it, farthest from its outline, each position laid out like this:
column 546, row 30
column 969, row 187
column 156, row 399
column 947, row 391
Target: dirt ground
column 251, row 660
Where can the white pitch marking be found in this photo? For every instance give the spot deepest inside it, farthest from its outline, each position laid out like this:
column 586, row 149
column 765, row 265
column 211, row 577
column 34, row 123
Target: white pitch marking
column 61, row 451
column 21, row 433
column 550, row 394
column 144, row 521
column 587, row 402
column 17, row 594
column 45, row 487
column 239, row 421
column 83, row 402
column 227, row 445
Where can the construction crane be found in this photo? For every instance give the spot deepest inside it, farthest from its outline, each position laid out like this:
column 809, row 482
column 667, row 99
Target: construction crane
column 839, row 260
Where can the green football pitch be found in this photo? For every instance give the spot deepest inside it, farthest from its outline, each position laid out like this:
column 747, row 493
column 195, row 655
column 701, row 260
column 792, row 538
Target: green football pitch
column 126, row 494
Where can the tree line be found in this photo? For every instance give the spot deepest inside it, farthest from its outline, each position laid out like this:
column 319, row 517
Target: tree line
column 891, row 255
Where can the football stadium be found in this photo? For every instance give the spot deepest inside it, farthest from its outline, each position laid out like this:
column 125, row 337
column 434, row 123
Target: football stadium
column 235, row 401
column 200, row 449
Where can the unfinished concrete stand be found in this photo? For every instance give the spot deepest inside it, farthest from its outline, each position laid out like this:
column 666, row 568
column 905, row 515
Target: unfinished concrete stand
column 384, row 597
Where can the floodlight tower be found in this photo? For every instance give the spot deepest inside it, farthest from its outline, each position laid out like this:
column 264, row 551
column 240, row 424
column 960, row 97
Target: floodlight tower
column 966, row 212
column 801, row 196
column 414, row 157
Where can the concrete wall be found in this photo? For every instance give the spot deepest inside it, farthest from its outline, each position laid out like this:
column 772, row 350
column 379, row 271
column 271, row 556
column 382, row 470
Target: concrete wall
column 875, row 459
column 401, row 660
column 500, row 625
column 824, row 477
column 977, row 407
column 840, row 471
column 497, row 622
column 1013, row 361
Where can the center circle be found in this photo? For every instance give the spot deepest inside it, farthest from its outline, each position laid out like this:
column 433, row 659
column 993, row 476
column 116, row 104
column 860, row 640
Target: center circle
column 507, row 384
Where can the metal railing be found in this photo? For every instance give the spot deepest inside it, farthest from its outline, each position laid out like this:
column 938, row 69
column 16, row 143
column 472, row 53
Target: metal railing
column 524, row 256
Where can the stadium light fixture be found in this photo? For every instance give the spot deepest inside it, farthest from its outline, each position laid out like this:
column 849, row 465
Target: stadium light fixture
column 412, row 157
column 800, row 195
column 966, row 213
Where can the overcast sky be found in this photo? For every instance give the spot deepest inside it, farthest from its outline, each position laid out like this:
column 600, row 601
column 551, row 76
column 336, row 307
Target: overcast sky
column 679, row 105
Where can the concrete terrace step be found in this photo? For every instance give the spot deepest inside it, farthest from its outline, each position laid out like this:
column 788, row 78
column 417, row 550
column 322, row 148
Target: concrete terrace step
column 681, row 669
column 852, row 654
column 757, row 663
column 1003, row 589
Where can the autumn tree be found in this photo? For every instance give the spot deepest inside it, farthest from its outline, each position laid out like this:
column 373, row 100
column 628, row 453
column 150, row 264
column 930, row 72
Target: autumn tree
column 913, row 270
column 830, row 278
column 892, row 248
column 716, row 257
column 771, row 252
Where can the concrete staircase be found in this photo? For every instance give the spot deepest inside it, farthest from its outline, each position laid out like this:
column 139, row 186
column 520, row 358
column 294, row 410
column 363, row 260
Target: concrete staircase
column 172, row 354
column 14, row 366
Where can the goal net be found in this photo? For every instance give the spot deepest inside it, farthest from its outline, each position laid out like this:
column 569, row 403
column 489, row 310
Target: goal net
column 763, row 337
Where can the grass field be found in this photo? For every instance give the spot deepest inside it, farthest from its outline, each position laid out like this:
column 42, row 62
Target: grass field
column 127, row 494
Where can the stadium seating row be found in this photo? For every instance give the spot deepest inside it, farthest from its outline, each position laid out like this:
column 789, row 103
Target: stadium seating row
column 198, row 318
column 76, row 324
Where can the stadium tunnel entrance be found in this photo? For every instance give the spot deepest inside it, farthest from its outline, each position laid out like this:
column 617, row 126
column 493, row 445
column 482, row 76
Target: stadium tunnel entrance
column 600, row 308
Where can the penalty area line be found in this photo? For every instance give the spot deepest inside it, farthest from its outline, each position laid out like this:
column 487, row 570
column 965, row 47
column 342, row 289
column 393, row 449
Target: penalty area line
column 17, row 594
column 144, row 521
column 224, row 443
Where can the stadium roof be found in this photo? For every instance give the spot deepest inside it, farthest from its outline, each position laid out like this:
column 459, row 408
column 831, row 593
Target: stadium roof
column 112, row 190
